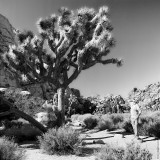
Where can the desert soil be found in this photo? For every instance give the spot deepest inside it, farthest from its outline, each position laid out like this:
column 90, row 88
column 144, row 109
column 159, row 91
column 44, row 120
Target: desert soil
column 114, row 138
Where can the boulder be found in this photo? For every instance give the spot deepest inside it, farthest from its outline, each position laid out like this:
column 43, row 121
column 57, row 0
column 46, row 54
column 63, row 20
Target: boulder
column 45, row 118
column 148, row 98
column 7, row 37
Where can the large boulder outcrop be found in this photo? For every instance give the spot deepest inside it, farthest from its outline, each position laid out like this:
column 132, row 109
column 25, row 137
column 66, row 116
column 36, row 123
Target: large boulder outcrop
column 7, row 37
column 148, row 98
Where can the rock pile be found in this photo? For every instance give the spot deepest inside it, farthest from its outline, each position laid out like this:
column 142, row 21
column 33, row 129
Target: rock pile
column 111, row 104
column 148, row 98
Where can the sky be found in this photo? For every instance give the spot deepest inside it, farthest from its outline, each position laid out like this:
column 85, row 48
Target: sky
column 137, row 32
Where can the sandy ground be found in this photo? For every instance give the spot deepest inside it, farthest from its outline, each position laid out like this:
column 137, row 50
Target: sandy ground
column 114, row 138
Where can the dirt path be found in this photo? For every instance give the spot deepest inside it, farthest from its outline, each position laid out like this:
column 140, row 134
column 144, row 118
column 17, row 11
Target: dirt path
column 36, row 154
column 114, row 138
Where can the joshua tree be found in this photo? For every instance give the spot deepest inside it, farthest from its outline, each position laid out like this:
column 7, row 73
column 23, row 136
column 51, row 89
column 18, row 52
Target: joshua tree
column 67, row 44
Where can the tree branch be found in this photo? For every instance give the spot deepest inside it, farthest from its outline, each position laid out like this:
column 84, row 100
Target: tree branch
column 73, row 64
column 73, row 47
column 112, row 61
column 40, row 51
column 89, row 65
column 59, row 43
column 30, row 78
column 51, row 46
column 72, row 77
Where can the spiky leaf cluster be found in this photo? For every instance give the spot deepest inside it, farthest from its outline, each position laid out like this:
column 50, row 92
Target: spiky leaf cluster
column 68, row 43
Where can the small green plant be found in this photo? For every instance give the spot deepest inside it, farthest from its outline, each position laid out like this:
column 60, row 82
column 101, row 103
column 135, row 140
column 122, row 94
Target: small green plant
column 60, row 141
column 9, row 150
column 130, row 152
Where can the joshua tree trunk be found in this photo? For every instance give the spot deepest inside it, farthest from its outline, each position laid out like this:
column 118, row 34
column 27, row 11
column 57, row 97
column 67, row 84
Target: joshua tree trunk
column 61, row 106
column 43, row 91
column 12, row 109
column 30, row 119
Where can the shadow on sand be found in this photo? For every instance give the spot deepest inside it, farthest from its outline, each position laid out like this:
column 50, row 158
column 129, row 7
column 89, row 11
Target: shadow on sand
column 29, row 144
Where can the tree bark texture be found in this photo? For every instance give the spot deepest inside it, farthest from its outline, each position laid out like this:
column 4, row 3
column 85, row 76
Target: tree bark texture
column 61, row 106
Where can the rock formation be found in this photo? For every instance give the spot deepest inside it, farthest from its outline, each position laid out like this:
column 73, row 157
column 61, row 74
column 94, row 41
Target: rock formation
column 7, row 37
column 149, row 97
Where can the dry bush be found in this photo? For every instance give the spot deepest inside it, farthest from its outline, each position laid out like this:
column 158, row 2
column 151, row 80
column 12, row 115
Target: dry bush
column 10, row 150
column 130, row 152
column 60, row 141
column 112, row 121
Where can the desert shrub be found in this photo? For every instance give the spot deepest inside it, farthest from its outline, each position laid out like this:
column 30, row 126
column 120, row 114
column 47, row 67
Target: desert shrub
column 143, row 127
column 127, row 126
column 154, row 129
column 105, row 124
column 135, row 152
column 110, row 153
column 78, row 117
column 130, row 152
column 10, row 150
column 88, row 106
column 75, row 117
column 90, row 122
column 117, row 118
column 59, row 141
column 147, row 118
column 78, row 105
column 112, row 121
column 149, row 125
column 154, row 114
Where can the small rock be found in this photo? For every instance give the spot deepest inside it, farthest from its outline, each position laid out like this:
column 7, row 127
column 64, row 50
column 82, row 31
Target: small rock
column 84, row 143
column 99, row 141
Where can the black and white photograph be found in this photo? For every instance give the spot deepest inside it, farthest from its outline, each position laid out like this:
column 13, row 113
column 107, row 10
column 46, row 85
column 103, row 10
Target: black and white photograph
column 80, row 79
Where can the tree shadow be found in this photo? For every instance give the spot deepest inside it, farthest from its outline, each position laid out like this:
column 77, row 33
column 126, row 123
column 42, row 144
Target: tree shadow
column 145, row 139
column 94, row 138
column 29, row 144
column 124, row 133
column 88, row 151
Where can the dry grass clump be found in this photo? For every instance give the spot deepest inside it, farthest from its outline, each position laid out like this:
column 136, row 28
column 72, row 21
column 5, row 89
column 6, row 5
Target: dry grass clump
column 9, row 150
column 130, row 152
